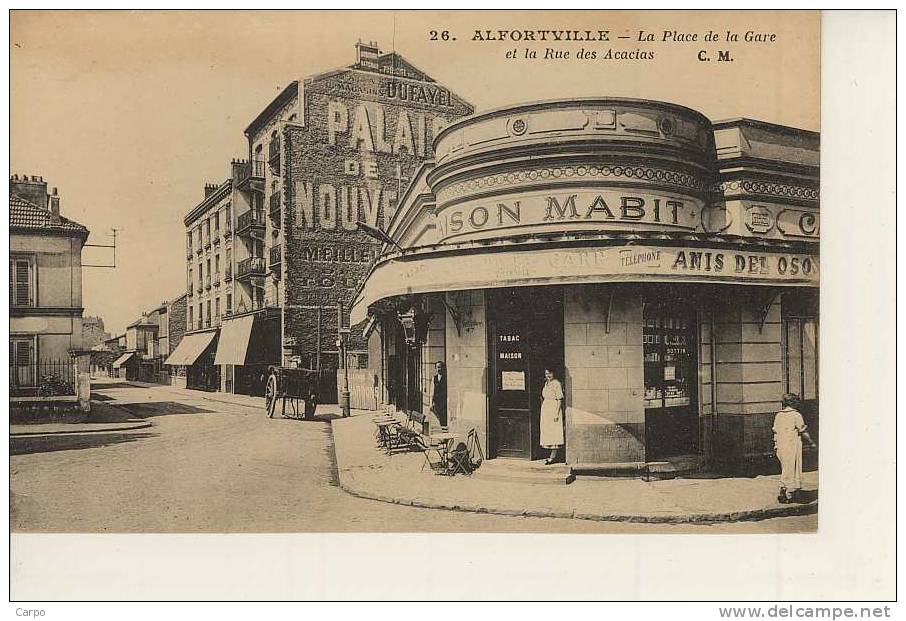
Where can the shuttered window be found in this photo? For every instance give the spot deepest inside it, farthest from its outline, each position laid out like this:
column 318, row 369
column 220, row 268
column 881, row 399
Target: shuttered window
column 22, row 361
column 21, row 282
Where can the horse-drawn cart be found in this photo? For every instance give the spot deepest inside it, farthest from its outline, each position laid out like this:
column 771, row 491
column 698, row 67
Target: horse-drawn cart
column 295, row 385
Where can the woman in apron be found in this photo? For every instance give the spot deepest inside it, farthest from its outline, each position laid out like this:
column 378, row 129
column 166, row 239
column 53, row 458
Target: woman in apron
column 789, row 432
column 551, row 415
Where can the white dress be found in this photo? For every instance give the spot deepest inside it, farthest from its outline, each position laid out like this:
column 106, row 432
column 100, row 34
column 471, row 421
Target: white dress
column 552, row 414
column 788, row 424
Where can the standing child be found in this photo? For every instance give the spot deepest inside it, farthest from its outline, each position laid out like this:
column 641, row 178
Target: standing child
column 789, row 432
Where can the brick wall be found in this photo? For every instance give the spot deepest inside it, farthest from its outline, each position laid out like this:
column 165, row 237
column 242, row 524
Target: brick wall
column 356, row 153
column 176, row 315
column 604, row 377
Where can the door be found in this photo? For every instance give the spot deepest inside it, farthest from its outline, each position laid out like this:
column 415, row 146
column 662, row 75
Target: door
column 525, row 335
column 669, row 348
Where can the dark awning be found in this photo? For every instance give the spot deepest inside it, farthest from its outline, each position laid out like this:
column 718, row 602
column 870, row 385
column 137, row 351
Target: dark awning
column 123, row 359
column 235, row 335
column 190, row 348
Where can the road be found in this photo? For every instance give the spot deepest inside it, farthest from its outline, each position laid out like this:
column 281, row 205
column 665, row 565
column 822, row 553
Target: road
column 209, row 466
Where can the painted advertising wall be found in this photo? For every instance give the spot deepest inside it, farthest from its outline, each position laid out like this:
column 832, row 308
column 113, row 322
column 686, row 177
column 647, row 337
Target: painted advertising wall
column 366, row 130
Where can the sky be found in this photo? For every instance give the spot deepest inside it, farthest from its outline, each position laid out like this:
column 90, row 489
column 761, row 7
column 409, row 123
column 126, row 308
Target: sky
column 130, row 113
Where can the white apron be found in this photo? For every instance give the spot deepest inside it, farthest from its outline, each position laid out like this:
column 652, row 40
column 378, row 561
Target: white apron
column 552, row 414
column 788, row 424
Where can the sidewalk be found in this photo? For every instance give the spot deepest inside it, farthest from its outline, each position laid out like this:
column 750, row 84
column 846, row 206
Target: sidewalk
column 365, row 471
column 103, row 417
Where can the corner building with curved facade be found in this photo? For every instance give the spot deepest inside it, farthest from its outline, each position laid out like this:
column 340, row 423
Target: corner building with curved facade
column 665, row 266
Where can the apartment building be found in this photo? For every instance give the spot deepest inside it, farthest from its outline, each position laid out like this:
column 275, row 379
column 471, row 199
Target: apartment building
column 329, row 151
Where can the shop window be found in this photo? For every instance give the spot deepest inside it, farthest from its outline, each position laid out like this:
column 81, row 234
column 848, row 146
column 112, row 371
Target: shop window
column 800, row 359
column 21, row 281
column 799, row 311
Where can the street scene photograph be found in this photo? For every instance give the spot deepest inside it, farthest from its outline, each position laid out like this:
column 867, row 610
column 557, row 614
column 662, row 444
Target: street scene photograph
column 386, row 272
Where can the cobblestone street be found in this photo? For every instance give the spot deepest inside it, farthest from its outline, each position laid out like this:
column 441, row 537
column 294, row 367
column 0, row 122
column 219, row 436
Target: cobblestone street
column 210, row 466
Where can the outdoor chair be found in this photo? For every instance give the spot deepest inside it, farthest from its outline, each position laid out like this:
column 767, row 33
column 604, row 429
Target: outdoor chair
column 476, row 455
column 459, row 461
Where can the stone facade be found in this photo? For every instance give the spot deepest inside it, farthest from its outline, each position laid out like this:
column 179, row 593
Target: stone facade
column 604, row 377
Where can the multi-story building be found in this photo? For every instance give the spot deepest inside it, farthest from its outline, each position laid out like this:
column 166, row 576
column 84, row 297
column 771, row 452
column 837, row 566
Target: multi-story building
column 93, row 332
column 45, row 290
column 328, row 152
column 211, row 285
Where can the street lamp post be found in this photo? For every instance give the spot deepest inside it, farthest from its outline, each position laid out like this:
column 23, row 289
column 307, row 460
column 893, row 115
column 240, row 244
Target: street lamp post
column 342, row 344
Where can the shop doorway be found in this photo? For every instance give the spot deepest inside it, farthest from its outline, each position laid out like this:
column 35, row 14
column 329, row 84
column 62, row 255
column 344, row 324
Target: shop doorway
column 525, row 334
column 671, row 378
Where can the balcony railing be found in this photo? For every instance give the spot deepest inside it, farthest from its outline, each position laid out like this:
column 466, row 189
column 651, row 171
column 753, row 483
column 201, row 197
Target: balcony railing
column 190, row 291
column 228, row 273
column 199, row 249
column 199, row 288
column 216, row 239
column 216, row 281
column 252, row 175
column 189, row 252
column 207, row 282
column 227, row 230
column 253, row 266
column 250, row 221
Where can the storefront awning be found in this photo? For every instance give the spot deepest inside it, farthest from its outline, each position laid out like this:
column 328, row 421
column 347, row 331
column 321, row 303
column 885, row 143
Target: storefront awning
column 487, row 269
column 235, row 336
column 123, row 359
column 190, row 348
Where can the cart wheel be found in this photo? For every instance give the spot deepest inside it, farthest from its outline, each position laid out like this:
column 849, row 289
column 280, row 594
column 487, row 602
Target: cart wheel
column 270, row 395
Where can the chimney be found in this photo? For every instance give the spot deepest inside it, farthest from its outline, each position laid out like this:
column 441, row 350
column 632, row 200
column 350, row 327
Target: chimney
column 239, row 170
column 209, row 188
column 54, row 204
column 367, row 53
column 33, row 189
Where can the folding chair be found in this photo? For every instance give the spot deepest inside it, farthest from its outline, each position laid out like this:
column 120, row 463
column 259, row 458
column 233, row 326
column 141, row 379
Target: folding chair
column 476, row 455
column 435, row 454
column 458, row 460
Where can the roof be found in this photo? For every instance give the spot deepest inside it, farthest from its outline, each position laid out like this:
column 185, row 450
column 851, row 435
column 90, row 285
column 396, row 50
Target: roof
column 26, row 216
column 285, row 96
column 142, row 323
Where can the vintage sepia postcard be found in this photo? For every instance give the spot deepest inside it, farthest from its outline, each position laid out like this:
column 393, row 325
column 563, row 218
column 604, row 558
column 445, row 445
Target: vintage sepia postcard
column 415, row 272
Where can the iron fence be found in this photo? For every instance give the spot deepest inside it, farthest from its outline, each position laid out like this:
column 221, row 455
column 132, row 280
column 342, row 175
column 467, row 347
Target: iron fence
column 46, row 378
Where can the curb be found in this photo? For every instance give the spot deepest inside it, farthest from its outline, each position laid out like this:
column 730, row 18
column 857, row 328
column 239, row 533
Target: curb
column 751, row 515
column 122, row 427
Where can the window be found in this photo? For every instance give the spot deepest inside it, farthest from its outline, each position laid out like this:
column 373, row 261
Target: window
column 800, row 357
column 200, row 314
column 217, row 265
column 22, row 361
column 229, row 302
column 207, row 315
column 200, row 276
column 21, row 281
column 227, row 216
column 216, row 222
column 800, row 344
column 189, row 241
column 217, row 307
column 190, row 317
column 191, row 281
